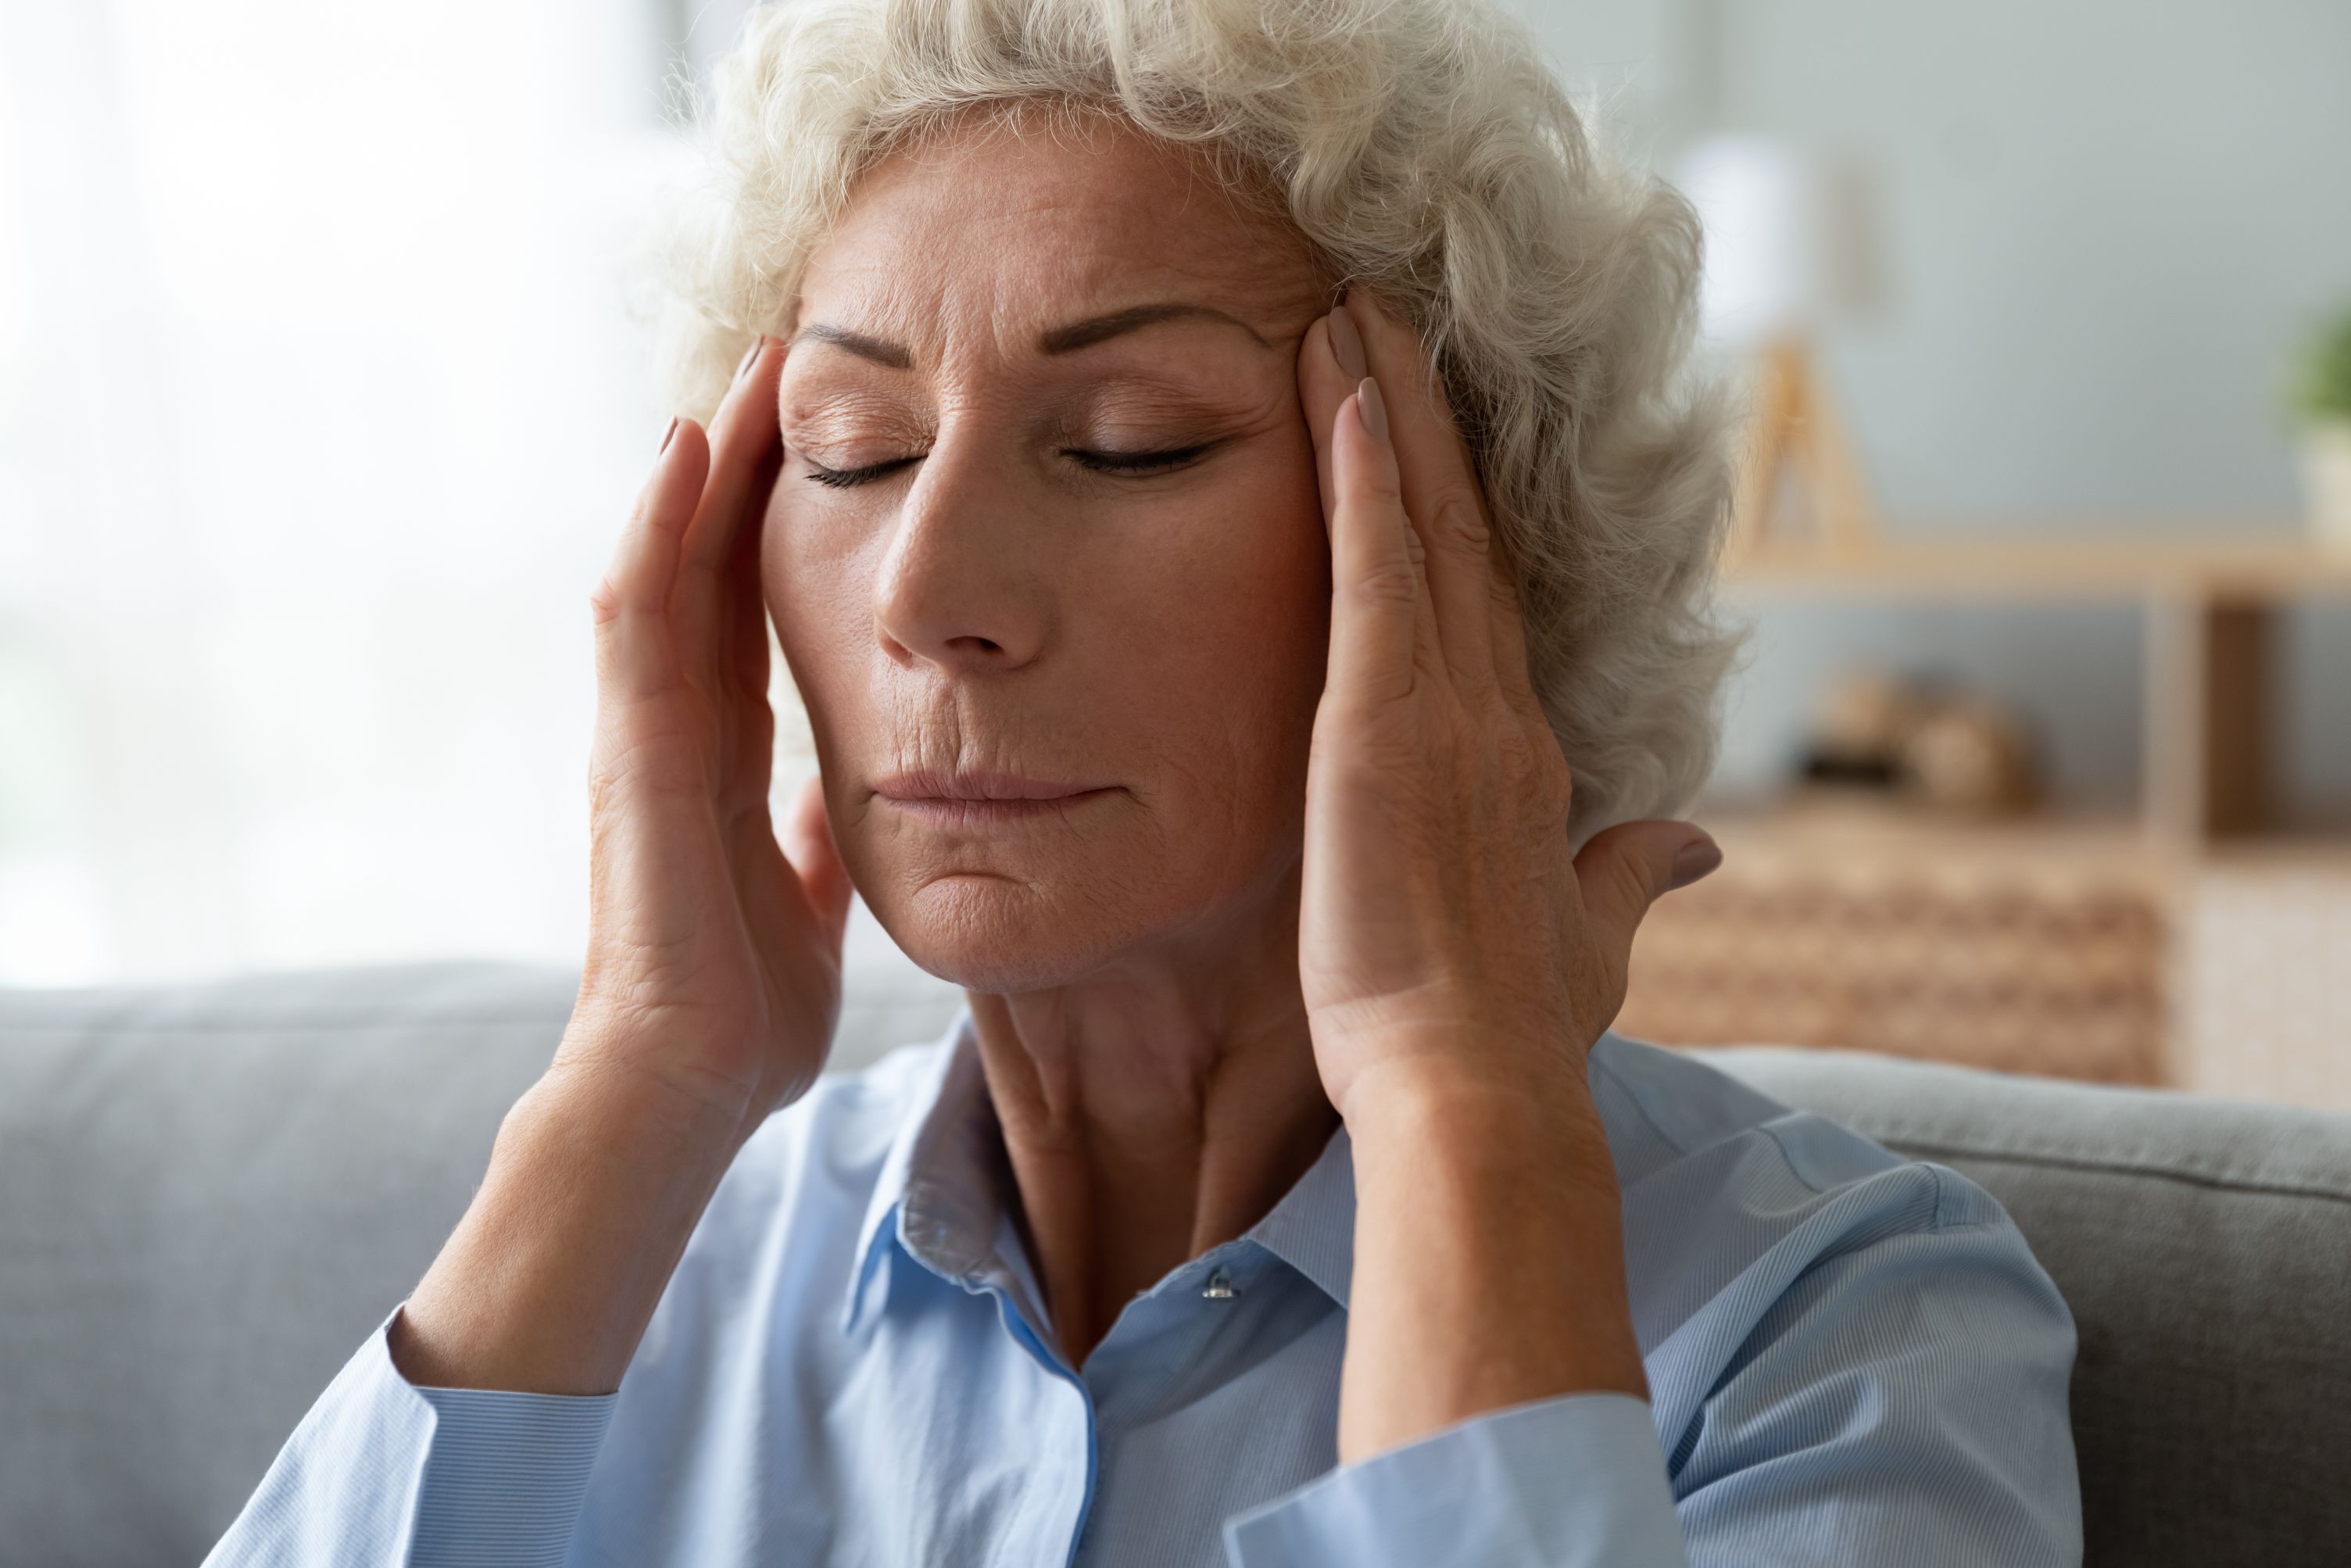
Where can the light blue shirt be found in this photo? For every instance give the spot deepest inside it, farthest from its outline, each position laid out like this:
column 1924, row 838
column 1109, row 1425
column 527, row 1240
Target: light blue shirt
column 1853, row 1358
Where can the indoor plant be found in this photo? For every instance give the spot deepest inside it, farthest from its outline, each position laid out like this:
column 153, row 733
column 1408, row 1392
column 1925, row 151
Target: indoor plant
column 2322, row 398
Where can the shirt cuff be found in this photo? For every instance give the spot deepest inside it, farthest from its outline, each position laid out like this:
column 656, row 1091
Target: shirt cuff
column 507, row 1474
column 1573, row 1482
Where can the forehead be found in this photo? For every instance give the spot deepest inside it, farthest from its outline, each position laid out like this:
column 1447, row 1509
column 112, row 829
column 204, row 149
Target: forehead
column 1029, row 225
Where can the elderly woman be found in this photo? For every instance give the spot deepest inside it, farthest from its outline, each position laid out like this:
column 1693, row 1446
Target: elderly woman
column 1215, row 471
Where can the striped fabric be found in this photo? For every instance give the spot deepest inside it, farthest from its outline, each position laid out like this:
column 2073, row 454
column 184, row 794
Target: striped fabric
column 1852, row 1358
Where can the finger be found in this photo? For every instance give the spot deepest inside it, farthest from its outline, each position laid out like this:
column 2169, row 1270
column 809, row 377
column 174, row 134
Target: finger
column 1441, row 494
column 635, row 654
column 1383, row 628
column 750, row 739
column 1324, row 381
column 741, row 435
column 808, row 844
column 1513, row 673
column 1623, row 870
column 745, row 611
column 1330, row 370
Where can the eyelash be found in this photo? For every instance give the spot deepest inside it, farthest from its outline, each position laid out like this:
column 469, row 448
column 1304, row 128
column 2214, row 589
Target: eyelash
column 1100, row 462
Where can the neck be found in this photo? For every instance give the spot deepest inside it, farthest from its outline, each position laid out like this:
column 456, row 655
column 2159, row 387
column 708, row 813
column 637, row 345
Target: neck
column 1152, row 1110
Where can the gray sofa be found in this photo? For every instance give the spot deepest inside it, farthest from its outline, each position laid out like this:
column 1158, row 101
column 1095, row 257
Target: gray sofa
column 209, row 1193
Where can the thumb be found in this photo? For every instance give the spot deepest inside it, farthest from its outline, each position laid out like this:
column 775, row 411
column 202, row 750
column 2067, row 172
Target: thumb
column 808, row 844
column 1623, row 870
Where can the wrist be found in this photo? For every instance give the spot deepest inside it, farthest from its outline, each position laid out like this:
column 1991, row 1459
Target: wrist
column 594, row 1078
column 1500, row 1113
column 629, row 1115
column 1482, row 1149
column 1489, row 1266
column 595, row 1183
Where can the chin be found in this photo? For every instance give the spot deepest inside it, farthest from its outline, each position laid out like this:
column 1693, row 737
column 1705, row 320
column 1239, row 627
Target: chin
column 994, row 935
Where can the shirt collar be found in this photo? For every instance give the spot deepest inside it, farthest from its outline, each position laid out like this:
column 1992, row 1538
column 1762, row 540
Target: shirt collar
column 940, row 1194
column 1312, row 1229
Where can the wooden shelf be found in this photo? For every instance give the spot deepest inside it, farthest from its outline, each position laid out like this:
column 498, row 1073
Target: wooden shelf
column 2271, row 565
column 1814, row 823
column 2209, row 603
column 2193, row 940
column 1817, row 824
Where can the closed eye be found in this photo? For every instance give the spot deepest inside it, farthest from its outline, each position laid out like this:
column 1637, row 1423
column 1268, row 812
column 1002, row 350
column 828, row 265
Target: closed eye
column 842, row 478
column 1100, row 462
column 1136, row 462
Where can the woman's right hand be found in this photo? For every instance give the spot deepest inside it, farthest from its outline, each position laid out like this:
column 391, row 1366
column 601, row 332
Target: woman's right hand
column 713, row 971
column 712, row 975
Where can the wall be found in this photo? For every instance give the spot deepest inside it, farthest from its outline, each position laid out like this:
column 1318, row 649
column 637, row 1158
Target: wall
column 2101, row 228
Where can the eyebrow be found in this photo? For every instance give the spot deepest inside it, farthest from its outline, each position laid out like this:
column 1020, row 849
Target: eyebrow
column 1058, row 340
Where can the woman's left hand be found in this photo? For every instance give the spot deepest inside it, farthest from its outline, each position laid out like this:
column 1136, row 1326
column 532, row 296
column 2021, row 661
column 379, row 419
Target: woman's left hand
column 1457, row 960
column 1444, row 928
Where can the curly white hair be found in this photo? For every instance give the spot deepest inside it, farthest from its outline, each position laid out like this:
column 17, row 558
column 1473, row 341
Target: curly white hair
column 1427, row 153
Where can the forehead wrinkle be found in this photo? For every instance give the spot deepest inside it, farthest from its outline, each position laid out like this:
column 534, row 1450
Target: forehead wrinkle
column 1089, row 238
column 1025, row 325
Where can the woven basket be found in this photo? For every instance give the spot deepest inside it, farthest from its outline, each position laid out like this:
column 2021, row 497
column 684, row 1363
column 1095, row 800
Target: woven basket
column 2022, row 954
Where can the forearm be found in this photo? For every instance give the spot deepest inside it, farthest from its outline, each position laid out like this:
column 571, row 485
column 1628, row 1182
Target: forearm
column 1490, row 1261
column 597, row 1180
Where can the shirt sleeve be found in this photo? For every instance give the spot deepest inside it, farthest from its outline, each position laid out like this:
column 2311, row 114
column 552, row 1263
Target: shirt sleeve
column 383, row 1474
column 1573, row 1482
column 1909, row 1402
column 1902, row 1402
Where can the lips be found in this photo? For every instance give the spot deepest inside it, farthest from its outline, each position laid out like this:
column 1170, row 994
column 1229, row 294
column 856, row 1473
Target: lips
column 926, row 784
column 980, row 798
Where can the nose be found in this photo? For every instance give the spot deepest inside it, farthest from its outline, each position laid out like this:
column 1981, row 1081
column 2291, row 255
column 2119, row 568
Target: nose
column 963, row 585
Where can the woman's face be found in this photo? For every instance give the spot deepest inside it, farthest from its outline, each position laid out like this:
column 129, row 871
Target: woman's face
column 1048, row 524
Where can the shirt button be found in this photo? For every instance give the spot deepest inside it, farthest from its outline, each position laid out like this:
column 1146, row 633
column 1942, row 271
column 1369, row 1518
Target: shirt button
column 1219, row 1287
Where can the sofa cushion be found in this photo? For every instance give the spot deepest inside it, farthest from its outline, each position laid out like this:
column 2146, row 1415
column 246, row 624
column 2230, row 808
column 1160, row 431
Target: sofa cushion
column 2204, row 1246
column 209, row 1193
column 207, row 1196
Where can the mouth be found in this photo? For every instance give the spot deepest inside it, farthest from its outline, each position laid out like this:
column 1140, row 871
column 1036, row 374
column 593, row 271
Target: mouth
column 979, row 799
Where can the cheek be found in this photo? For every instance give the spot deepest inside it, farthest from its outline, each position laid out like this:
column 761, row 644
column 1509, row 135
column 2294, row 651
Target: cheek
column 1221, row 624
column 1253, row 586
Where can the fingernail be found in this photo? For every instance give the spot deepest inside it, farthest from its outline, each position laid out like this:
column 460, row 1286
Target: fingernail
column 667, row 434
column 749, row 355
column 1374, row 412
column 1696, row 858
column 1347, row 345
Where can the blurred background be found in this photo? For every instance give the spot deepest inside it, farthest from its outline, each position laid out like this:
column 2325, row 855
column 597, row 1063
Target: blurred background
column 323, row 391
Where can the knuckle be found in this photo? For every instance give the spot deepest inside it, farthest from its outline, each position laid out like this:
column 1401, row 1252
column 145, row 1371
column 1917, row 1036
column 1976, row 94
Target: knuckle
column 1458, row 516
column 1505, row 594
column 1538, row 773
column 1630, row 886
column 1532, row 773
column 1367, row 698
column 1519, row 690
column 1395, row 580
column 604, row 602
column 1379, row 483
column 1554, row 793
column 644, row 512
column 1556, row 767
